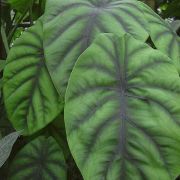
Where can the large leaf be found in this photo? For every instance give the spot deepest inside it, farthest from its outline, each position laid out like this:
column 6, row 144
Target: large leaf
column 70, row 26
column 163, row 35
column 30, row 97
column 122, row 112
column 41, row 159
column 6, row 145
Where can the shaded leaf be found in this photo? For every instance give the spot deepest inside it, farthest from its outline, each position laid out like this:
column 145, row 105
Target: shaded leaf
column 20, row 5
column 1, row 85
column 2, row 64
column 40, row 159
column 122, row 111
column 163, row 35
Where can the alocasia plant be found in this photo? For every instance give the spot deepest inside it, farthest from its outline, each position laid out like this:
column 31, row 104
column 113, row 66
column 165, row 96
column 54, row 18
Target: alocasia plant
column 122, row 102
column 122, row 111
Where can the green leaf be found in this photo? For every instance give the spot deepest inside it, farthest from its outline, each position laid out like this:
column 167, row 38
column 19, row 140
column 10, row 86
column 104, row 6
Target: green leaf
column 40, row 159
column 122, row 111
column 30, row 97
column 17, row 33
column 70, row 26
column 163, row 35
column 1, row 85
column 6, row 145
column 38, row 9
column 43, row 5
column 20, row 5
column 2, row 64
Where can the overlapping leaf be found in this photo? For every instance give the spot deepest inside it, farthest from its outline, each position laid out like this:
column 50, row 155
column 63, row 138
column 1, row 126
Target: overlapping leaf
column 70, row 26
column 122, row 111
column 40, row 159
column 162, row 35
column 30, row 97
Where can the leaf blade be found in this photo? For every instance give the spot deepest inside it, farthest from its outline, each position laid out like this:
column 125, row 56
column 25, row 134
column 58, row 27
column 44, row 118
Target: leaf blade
column 158, row 29
column 30, row 97
column 117, row 110
column 78, row 24
column 41, row 158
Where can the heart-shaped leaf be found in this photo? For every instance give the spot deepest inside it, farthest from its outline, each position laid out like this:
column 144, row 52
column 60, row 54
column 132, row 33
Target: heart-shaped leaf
column 41, row 159
column 30, row 97
column 6, row 145
column 70, row 26
column 122, row 111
